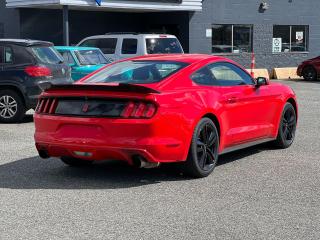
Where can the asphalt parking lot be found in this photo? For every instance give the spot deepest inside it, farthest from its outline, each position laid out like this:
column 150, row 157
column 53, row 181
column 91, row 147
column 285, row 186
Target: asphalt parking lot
column 256, row 193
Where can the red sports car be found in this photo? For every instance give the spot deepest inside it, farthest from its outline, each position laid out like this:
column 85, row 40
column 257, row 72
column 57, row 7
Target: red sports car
column 163, row 108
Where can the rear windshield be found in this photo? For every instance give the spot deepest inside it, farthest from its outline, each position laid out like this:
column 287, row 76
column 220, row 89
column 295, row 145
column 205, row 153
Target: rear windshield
column 163, row 45
column 137, row 72
column 47, row 55
column 91, row 57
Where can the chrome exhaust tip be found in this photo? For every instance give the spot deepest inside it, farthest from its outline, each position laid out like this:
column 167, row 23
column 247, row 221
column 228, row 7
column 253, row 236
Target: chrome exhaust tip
column 141, row 162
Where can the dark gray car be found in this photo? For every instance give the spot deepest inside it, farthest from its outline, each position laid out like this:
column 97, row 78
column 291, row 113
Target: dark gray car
column 23, row 64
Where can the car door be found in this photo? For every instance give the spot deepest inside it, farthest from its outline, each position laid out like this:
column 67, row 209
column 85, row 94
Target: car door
column 109, row 47
column 10, row 70
column 316, row 63
column 71, row 62
column 248, row 110
column 1, row 61
column 129, row 47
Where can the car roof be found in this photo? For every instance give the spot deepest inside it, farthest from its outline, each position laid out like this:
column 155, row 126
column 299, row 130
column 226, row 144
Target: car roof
column 187, row 58
column 74, row 48
column 25, row 42
column 133, row 35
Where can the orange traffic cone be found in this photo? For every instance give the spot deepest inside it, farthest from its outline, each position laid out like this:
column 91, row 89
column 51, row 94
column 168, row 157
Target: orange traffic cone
column 253, row 64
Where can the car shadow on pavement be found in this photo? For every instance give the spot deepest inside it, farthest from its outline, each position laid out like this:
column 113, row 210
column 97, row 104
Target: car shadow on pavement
column 36, row 173
column 27, row 118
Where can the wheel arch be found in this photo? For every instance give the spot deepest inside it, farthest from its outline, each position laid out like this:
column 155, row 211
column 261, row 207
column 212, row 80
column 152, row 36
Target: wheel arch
column 292, row 101
column 294, row 104
column 215, row 120
column 309, row 66
column 13, row 88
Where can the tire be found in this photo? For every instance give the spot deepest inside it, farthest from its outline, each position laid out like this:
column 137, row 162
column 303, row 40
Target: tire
column 76, row 162
column 12, row 107
column 309, row 73
column 203, row 152
column 287, row 127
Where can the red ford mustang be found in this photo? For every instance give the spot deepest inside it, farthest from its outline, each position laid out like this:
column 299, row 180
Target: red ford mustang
column 163, row 108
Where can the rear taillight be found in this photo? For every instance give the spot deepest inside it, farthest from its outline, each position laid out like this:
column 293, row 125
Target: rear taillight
column 47, row 105
column 38, row 71
column 139, row 110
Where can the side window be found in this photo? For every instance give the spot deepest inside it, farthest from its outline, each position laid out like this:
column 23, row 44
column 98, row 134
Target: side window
column 227, row 74
column 8, row 55
column 90, row 43
column 108, row 45
column 203, row 77
column 68, row 58
column 129, row 46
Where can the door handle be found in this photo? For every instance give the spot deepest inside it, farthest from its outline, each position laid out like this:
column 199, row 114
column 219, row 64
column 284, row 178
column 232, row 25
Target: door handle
column 232, row 100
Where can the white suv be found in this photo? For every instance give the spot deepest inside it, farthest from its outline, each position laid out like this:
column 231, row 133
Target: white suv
column 116, row 46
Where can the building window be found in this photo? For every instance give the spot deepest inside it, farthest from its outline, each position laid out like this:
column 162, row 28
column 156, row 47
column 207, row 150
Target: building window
column 1, row 30
column 234, row 38
column 288, row 38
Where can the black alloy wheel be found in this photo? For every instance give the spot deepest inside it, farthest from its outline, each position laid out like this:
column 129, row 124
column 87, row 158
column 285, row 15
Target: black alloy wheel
column 309, row 73
column 203, row 153
column 287, row 127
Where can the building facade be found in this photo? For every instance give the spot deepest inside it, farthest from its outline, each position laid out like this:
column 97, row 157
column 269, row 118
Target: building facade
column 281, row 33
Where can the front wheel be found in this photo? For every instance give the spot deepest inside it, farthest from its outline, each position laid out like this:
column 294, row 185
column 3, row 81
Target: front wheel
column 287, row 127
column 310, row 74
column 203, row 153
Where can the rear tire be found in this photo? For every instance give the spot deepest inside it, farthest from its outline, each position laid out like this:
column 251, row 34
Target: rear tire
column 76, row 162
column 309, row 73
column 203, row 153
column 287, row 127
column 12, row 107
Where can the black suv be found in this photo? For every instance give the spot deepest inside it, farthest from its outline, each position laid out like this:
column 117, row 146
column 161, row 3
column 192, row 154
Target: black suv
column 23, row 64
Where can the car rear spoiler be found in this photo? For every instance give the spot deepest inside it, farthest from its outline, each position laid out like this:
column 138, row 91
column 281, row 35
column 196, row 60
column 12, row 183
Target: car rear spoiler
column 120, row 87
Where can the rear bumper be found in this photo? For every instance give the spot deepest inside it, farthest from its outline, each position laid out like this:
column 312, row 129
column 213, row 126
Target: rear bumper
column 108, row 139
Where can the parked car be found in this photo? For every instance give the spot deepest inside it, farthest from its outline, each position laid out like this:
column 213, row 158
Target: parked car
column 309, row 69
column 23, row 64
column 165, row 108
column 82, row 60
column 117, row 46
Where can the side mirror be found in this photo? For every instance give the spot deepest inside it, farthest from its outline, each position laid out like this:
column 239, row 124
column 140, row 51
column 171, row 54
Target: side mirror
column 261, row 81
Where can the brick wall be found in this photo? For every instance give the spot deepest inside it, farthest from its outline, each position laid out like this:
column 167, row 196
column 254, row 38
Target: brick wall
column 247, row 12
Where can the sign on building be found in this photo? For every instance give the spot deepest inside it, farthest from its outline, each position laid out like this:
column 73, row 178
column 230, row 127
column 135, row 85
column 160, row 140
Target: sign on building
column 299, row 36
column 276, row 45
